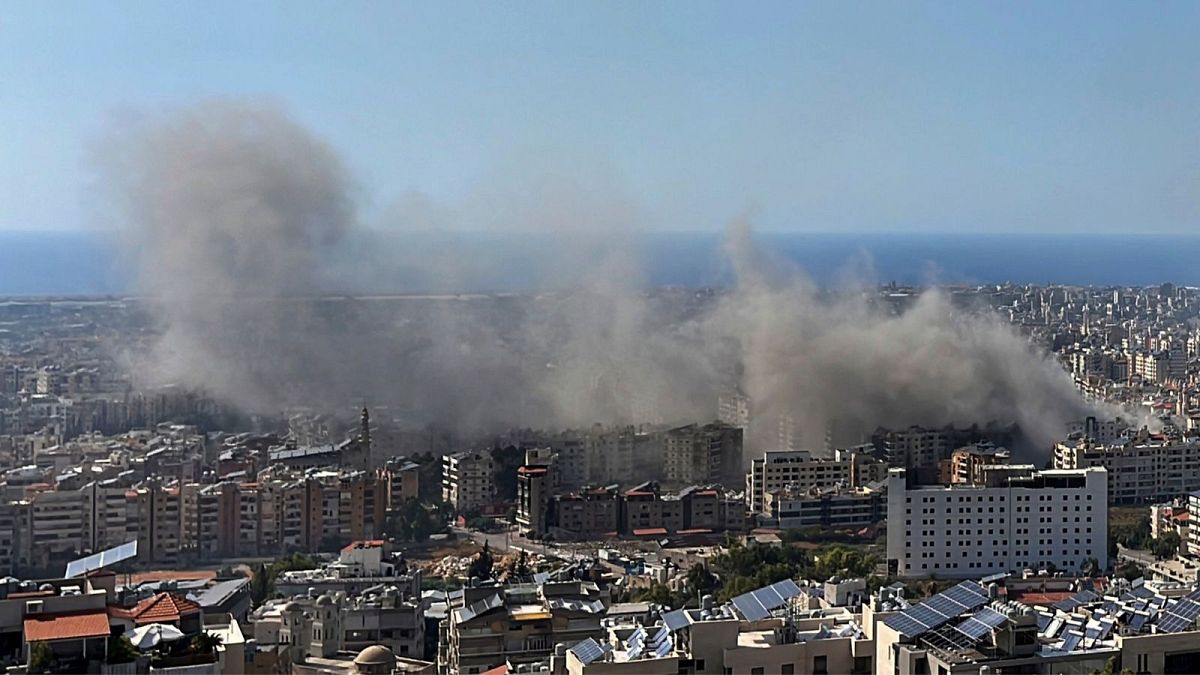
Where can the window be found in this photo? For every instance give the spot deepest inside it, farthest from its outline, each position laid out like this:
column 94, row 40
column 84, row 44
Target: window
column 756, row 671
column 787, row 669
column 820, row 665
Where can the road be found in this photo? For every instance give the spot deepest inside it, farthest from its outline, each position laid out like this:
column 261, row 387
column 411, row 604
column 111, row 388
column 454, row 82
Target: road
column 1144, row 558
column 506, row 541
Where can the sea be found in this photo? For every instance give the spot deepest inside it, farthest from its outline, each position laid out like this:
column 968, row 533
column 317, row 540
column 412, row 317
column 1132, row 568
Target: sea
column 90, row 263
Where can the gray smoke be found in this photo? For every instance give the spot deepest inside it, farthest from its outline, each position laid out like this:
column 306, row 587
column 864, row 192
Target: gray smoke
column 237, row 220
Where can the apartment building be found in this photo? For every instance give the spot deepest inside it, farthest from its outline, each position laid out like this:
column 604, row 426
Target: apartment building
column 966, row 464
column 829, row 508
column 1018, row 518
column 1143, row 468
column 517, row 624
column 645, row 511
column 695, row 454
column 797, row 469
column 468, row 480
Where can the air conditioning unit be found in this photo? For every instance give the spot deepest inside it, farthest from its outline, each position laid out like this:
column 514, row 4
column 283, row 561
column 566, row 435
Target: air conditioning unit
column 33, row 606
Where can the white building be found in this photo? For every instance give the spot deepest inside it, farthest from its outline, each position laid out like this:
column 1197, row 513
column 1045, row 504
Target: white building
column 1018, row 518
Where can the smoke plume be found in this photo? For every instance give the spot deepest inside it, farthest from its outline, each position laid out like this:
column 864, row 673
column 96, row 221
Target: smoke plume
column 239, row 222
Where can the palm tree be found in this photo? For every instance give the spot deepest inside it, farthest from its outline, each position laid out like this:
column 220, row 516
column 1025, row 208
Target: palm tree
column 206, row 643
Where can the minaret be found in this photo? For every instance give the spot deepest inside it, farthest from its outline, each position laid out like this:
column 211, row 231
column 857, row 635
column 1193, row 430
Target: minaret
column 364, row 438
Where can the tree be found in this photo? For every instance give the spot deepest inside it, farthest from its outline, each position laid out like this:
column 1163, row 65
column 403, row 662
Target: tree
column 41, row 657
column 656, row 593
column 481, row 566
column 1166, row 546
column 1110, row 668
column 205, row 643
column 121, row 650
column 700, row 580
column 262, row 584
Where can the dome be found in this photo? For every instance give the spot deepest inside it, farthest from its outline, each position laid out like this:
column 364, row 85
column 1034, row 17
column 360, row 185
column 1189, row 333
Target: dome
column 375, row 655
column 324, row 600
column 293, row 606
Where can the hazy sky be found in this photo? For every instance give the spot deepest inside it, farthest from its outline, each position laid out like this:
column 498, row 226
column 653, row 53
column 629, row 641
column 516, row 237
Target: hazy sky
column 827, row 116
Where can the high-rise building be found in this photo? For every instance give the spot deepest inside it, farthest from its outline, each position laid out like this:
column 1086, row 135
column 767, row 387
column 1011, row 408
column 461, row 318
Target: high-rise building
column 1017, row 518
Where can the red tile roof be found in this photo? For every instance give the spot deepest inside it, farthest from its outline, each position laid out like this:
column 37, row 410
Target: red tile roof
column 1036, row 598
column 162, row 608
column 366, row 543
column 66, row 626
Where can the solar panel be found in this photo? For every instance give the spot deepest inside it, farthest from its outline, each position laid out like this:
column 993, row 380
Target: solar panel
column 588, row 651
column 1180, row 617
column 968, row 593
column 945, row 606
column 1043, row 620
column 1142, row 592
column 1056, row 625
column 1106, row 628
column 637, row 637
column 758, row 604
column 1080, row 598
column 1071, row 640
column 635, row 651
column 662, row 634
column 905, row 625
column 1138, row 620
column 964, row 597
column 928, row 615
column 664, row 649
column 100, row 560
column 983, row 622
column 675, row 620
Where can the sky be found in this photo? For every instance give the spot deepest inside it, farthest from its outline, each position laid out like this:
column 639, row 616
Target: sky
column 829, row 117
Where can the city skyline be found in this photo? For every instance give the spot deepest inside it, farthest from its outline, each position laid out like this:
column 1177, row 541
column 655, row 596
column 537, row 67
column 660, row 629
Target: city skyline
column 882, row 117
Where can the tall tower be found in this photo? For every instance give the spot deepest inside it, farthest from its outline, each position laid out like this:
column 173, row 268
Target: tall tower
column 364, row 430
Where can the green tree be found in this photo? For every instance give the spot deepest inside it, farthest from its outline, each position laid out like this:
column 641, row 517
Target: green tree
column 41, row 657
column 1110, row 668
column 1166, row 546
column 658, row 594
column 121, row 650
column 205, row 643
column 700, row 580
column 262, row 583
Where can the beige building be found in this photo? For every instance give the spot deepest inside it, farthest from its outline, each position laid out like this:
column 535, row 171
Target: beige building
column 468, row 480
column 1142, row 469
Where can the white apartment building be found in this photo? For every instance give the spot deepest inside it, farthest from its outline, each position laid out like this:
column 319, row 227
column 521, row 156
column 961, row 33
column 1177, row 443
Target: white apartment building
column 468, row 480
column 1018, row 518
column 1143, row 469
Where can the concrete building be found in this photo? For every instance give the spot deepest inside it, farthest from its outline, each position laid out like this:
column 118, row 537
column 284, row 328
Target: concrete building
column 518, row 624
column 796, row 469
column 832, row 508
column 468, row 480
column 696, row 454
column 1017, row 518
column 1143, row 468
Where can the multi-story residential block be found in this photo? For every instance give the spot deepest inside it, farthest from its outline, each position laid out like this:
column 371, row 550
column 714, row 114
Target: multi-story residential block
column 828, row 508
column 797, row 469
column 1018, row 518
column 696, row 454
column 468, row 480
column 519, row 624
column 1143, row 468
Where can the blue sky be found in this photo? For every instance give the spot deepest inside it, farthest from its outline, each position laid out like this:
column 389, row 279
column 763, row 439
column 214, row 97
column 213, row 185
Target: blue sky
column 874, row 116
